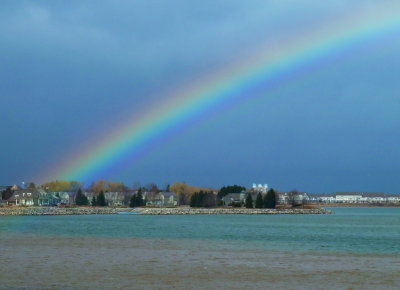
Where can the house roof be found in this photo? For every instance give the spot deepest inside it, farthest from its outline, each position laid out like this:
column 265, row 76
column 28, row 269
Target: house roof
column 319, row 195
column 169, row 194
column 348, row 193
column 22, row 193
column 232, row 196
column 374, row 194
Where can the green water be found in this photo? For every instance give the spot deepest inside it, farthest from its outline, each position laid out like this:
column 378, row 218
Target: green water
column 356, row 230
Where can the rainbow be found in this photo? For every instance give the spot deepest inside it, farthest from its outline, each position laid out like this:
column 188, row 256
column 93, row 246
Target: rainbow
column 268, row 67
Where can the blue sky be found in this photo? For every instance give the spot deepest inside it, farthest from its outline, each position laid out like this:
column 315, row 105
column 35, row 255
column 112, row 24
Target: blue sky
column 72, row 70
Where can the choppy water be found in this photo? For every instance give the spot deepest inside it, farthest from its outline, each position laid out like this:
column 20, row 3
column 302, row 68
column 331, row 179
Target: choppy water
column 356, row 230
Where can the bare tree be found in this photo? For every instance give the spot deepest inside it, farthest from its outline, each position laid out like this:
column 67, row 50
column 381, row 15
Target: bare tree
column 293, row 198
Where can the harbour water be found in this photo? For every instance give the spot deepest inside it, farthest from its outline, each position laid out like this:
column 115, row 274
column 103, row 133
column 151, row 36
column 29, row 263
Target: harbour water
column 354, row 248
column 358, row 230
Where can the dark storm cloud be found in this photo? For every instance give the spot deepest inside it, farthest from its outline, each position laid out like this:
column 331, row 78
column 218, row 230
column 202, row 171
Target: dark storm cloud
column 69, row 70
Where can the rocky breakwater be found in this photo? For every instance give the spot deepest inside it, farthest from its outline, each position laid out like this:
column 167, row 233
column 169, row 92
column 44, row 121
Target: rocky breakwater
column 188, row 211
column 12, row 211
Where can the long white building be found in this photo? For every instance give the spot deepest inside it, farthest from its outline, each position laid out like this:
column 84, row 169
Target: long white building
column 355, row 197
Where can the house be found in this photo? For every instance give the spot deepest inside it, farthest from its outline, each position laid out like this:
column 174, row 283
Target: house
column 295, row 198
column 64, row 197
column 355, row 197
column 260, row 188
column 22, row 197
column 232, row 198
column 161, row 198
column 43, row 198
column 168, row 198
column 114, row 198
column 373, row 197
column 348, row 197
column 393, row 198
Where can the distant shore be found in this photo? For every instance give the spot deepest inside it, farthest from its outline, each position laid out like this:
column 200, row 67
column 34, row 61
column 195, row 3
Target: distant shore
column 356, row 204
column 26, row 211
column 210, row 211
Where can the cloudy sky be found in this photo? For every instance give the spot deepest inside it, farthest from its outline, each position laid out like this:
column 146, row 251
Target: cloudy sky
column 72, row 71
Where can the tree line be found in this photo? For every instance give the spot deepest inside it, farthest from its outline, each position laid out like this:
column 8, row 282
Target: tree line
column 203, row 199
column 269, row 200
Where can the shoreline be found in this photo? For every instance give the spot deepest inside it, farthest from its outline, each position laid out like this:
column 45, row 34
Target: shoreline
column 356, row 204
column 32, row 211
column 219, row 211
column 35, row 211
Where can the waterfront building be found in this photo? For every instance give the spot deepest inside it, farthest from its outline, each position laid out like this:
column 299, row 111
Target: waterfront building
column 161, row 198
column 232, row 198
column 21, row 197
column 260, row 188
column 355, row 197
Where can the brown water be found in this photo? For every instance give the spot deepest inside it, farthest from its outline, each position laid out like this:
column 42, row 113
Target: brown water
column 31, row 261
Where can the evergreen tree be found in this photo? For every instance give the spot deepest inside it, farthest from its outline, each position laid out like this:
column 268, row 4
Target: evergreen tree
column 249, row 201
column 132, row 202
column 230, row 189
column 193, row 200
column 203, row 199
column 6, row 194
column 139, row 198
column 259, row 201
column 270, row 199
column 101, row 200
column 80, row 198
column 94, row 201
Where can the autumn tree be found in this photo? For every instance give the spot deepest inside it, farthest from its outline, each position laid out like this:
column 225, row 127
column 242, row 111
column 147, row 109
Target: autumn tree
column 62, row 185
column 181, row 189
column 32, row 186
column 107, row 186
column 185, row 191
